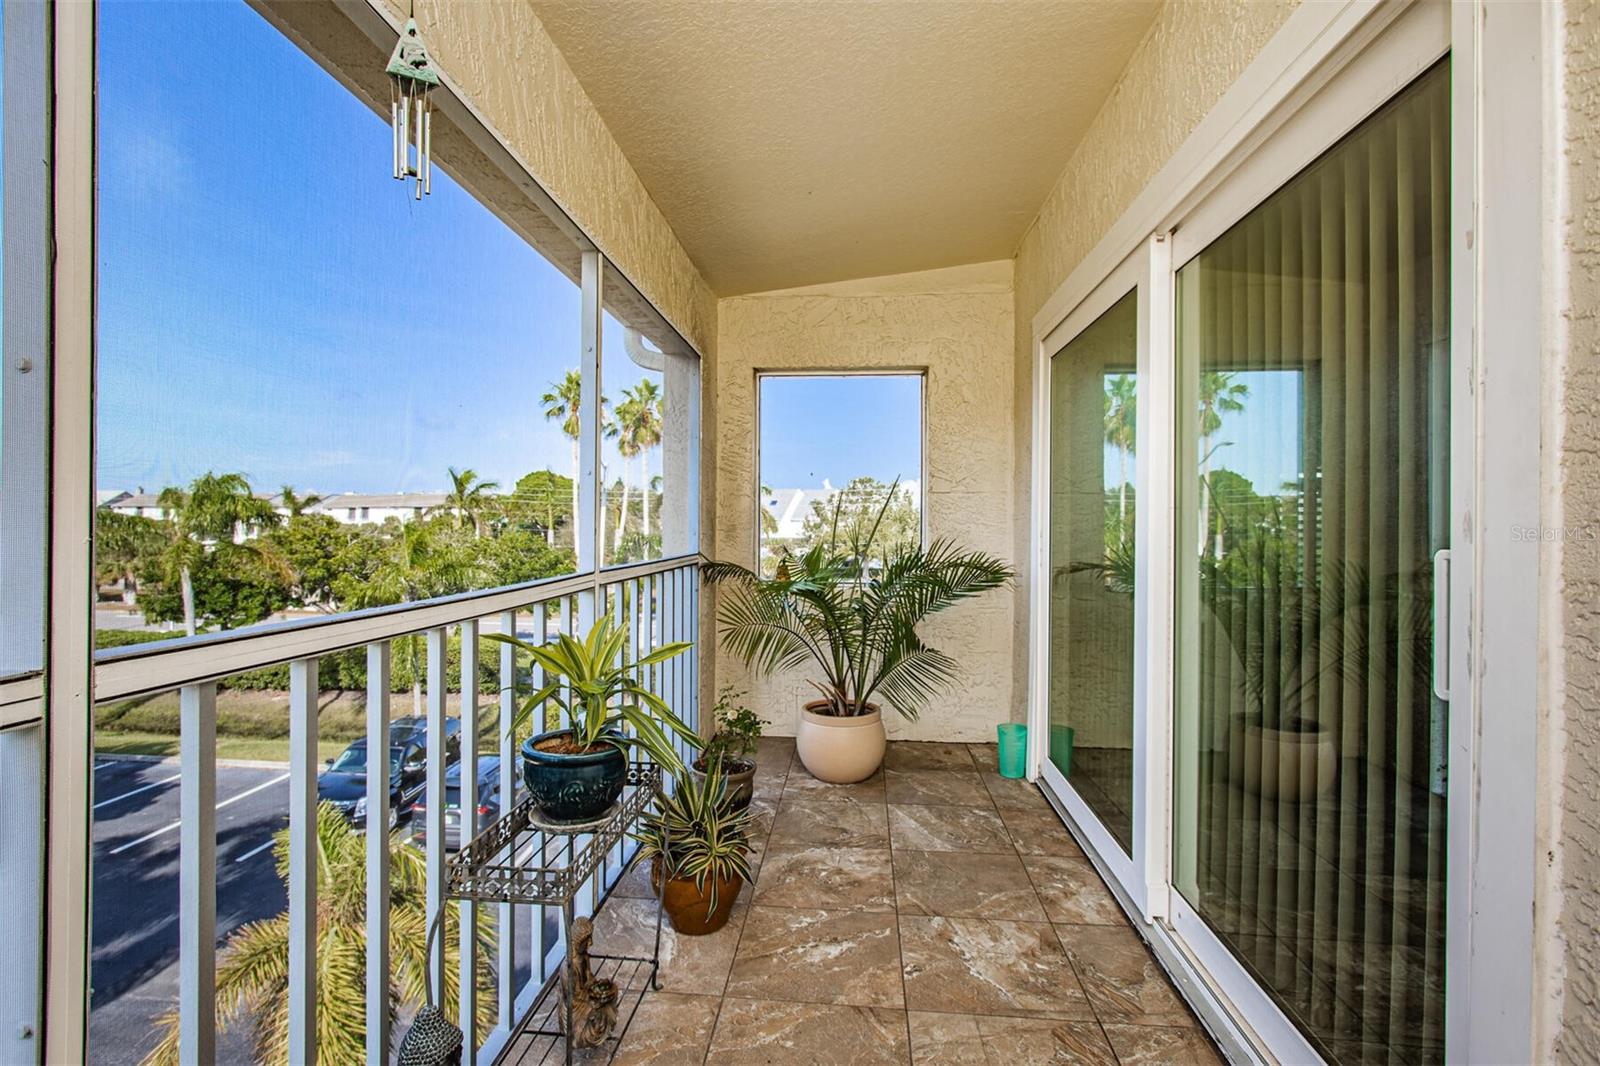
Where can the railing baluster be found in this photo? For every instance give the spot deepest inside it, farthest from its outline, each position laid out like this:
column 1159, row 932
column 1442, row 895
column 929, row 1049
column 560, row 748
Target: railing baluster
column 536, row 681
column 433, row 798
column 691, row 577
column 505, row 932
column 467, row 819
column 378, row 679
column 303, row 861
column 197, row 875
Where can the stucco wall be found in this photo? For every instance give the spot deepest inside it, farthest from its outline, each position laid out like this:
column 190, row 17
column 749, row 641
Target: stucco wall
column 1572, row 975
column 957, row 324
column 1193, row 53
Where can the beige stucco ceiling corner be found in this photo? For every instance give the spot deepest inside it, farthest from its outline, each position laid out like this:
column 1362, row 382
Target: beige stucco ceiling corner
column 795, row 142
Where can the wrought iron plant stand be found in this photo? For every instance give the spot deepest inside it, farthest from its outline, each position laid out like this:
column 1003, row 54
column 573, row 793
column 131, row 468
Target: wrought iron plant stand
column 521, row 859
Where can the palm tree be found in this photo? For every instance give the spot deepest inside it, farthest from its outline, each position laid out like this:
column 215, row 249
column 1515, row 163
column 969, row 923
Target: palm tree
column 468, row 497
column 122, row 545
column 253, row 968
column 297, row 504
column 626, row 434
column 1122, row 398
column 769, row 521
column 215, row 507
column 644, row 429
column 412, row 565
column 1219, row 394
column 564, row 404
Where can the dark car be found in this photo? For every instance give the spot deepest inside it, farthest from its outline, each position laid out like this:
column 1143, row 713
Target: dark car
column 344, row 783
column 488, row 804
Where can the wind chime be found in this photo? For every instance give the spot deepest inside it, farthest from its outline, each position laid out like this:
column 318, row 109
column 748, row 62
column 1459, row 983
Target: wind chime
column 412, row 80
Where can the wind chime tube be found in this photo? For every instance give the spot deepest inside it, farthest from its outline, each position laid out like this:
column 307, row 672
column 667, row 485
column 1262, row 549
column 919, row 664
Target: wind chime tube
column 422, row 110
column 404, row 131
column 427, row 145
column 394, row 127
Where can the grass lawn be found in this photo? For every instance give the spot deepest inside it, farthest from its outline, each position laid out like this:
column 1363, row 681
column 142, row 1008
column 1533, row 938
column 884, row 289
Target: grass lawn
column 260, row 749
column 250, row 725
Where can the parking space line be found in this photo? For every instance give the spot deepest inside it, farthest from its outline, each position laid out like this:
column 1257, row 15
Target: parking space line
column 135, row 792
column 171, row 826
column 253, row 852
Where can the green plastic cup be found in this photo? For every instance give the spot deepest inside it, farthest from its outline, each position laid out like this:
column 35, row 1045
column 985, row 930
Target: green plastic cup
column 1061, row 748
column 1013, row 750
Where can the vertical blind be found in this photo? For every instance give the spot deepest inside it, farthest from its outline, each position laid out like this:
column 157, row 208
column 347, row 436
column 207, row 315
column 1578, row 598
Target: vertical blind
column 1314, row 370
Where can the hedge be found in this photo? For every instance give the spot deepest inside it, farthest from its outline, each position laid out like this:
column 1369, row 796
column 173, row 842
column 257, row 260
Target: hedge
column 344, row 670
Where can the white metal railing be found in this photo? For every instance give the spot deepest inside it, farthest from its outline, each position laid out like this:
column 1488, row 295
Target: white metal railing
column 657, row 602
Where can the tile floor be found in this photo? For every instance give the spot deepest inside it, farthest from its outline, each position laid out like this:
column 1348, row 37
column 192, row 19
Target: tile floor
column 936, row 913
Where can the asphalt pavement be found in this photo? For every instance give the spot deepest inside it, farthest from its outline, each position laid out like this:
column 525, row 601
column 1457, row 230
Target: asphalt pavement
column 134, row 973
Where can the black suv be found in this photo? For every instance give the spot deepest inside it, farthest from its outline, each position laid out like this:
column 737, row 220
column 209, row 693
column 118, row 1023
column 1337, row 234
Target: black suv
column 344, row 783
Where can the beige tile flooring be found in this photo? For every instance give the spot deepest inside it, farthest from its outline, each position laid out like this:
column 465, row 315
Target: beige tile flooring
column 936, row 913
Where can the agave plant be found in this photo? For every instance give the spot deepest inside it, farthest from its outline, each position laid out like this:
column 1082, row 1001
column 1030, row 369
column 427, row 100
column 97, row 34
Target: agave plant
column 253, row 967
column 599, row 694
column 697, row 834
column 855, row 616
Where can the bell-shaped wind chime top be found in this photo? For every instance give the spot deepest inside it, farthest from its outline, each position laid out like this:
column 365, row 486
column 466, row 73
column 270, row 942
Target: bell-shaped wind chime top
column 412, row 80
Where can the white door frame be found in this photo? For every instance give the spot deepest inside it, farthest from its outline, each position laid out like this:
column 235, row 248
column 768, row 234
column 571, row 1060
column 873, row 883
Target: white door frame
column 1290, row 104
column 1134, row 274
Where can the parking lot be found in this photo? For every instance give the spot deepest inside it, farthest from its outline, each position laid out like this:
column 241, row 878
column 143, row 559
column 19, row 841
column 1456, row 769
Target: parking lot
column 134, row 963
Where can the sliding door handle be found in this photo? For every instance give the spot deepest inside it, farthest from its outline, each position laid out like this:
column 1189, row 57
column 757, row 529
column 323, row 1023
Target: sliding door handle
column 1441, row 624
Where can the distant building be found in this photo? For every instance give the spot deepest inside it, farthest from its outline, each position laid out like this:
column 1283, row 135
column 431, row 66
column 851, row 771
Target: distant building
column 789, row 507
column 139, row 504
column 356, row 508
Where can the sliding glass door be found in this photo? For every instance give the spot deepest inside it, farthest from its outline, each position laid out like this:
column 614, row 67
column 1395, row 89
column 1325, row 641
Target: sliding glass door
column 1313, row 385
column 1093, row 508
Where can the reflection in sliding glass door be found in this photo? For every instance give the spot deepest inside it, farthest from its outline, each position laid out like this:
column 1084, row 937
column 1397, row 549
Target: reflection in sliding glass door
column 1093, row 440
column 1313, row 484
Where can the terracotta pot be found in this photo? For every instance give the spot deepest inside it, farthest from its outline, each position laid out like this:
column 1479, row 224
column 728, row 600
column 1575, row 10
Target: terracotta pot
column 689, row 909
column 838, row 750
column 741, row 782
column 1283, row 764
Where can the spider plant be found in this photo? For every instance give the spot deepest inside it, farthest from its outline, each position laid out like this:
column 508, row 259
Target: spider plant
column 855, row 615
column 697, row 834
column 599, row 694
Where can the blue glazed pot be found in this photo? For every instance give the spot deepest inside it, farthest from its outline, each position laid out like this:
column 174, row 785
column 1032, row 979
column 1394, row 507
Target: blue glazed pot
column 572, row 788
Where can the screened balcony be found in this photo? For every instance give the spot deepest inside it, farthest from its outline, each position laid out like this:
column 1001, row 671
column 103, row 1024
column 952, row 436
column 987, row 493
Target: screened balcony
column 1246, row 345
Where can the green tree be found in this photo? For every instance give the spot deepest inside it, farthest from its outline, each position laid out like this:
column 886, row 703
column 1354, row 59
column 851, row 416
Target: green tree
column 861, row 508
column 253, row 987
column 1121, row 419
column 1220, row 394
column 468, row 499
column 311, row 547
column 216, row 508
column 124, row 547
column 405, row 562
column 542, row 499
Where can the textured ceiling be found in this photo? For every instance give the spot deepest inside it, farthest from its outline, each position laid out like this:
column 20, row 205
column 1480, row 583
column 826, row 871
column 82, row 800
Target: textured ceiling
column 791, row 142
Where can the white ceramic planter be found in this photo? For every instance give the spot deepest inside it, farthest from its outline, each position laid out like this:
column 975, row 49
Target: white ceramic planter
column 1283, row 765
column 840, row 750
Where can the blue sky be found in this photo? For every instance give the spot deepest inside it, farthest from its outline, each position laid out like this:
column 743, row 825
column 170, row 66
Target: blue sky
column 840, row 427
column 273, row 302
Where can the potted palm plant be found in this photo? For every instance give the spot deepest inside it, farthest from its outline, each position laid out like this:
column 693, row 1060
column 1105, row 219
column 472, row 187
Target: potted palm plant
column 574, row 773
column 854, row 615
column 734, row 744
column 698, row 845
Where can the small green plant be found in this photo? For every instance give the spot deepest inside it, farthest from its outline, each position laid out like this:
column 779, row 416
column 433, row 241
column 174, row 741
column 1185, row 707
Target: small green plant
column 599, row 694
column 696, row 833
column 738, row 729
